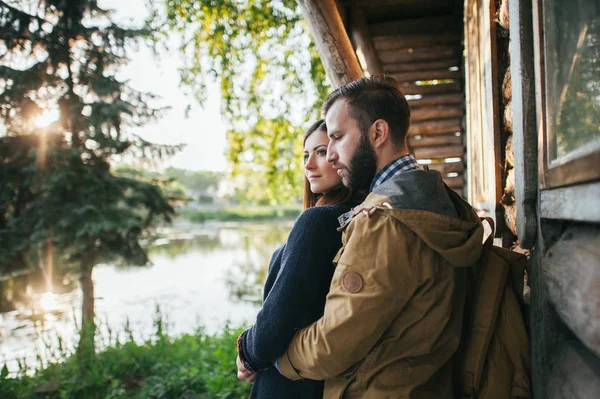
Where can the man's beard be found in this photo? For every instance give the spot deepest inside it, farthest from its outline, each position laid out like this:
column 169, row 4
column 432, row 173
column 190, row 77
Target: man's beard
column 363, row 166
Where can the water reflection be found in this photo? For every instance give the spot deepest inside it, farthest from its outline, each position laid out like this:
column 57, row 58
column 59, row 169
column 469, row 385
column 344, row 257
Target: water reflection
column 201, row 275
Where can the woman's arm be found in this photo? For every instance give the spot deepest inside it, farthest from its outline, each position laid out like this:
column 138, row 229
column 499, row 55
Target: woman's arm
column 298, row 294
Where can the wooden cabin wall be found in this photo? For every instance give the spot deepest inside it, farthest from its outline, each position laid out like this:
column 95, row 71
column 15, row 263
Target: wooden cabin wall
column 564, row 267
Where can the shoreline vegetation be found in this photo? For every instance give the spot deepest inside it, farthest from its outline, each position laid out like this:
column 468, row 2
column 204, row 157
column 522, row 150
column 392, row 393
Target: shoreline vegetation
column 238, row 214
column 192, row 366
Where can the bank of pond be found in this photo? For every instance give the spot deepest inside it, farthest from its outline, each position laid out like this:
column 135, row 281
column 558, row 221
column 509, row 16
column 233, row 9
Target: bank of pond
column 194, row 365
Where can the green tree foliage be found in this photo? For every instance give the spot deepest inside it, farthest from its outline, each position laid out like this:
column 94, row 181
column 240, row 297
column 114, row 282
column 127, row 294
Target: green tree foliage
column 59, row 197
column 271, row 78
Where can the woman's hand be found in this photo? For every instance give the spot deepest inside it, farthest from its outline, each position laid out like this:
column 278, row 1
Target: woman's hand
column 243, row 373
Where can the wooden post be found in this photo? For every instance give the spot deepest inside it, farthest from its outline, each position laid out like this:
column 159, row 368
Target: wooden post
column 363, row 41
column 525, row 145
column 334, row 47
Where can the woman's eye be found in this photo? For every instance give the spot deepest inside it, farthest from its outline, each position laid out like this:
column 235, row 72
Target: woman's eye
column 305, row 157
column 322, row 152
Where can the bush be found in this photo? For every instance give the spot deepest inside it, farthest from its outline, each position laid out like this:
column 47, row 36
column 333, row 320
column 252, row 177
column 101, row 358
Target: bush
column 191, row 365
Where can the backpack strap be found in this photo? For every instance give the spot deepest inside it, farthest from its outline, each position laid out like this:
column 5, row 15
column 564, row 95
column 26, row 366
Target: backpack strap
column 488, row 291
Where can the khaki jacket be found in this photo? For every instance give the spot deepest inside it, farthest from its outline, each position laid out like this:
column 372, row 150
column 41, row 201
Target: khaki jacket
column 393, row 316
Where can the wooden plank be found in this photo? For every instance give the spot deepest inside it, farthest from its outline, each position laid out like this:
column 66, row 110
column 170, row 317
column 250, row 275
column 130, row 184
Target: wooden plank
column 387, row 43
column 437, row 74
column 525, row 143
column 430, row 141
column 444, row 88
column 440, row 126
column 455, row 182
column 580, row 203
column 363, row 41
column 445, row 168
column 389, row 54
column 388, row 10
column 420, row 66
column 578, row 170
column 450, row 151
column 333, row 45
column 435, row 112
column 572, row 275
column 446, row 23
column 575, row 373
column 439, row 99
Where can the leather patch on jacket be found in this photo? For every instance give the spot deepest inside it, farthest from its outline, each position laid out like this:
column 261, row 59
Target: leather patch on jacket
column 352, row 282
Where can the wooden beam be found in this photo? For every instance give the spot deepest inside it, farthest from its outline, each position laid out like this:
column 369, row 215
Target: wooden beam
column 575, row 372
column 525, row 143
column 431, row 141
column 438, row 99
column 417, row 25
column 578, row 203
column 455, row 182
column 572, row 274
column 435, row 112
column 391, row 55
column 363, row 41
column 444, row 88
column 440, row 126
column 388, row 10
column 331, row 39
column 421, row 66
column 449, row 151
column 445, row 168
column 434, row 74
column 422, row 41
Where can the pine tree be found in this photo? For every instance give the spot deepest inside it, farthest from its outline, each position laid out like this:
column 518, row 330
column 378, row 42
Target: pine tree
column 59, row 199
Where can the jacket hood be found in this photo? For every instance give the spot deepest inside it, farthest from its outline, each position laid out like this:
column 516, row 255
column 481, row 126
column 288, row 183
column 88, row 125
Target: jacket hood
column 441, row 218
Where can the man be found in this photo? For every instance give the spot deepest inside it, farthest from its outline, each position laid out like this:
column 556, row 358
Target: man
column 393, row 316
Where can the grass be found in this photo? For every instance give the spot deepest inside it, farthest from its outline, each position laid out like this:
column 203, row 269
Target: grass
column 241, row 214
column 196, row 365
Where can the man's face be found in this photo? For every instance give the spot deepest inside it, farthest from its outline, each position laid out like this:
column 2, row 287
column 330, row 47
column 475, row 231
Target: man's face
column 349, row 149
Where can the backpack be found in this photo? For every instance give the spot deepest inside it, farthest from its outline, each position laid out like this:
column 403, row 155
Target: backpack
column 494, row 360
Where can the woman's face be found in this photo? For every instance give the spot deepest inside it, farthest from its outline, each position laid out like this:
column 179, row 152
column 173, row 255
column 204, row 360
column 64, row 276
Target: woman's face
column 320, row 173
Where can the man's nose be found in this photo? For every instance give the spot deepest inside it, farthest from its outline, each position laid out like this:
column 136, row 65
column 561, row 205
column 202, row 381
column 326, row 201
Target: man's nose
column 331, row 154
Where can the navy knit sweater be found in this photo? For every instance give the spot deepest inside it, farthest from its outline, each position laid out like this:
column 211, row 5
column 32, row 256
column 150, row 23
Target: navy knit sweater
column 300, row 273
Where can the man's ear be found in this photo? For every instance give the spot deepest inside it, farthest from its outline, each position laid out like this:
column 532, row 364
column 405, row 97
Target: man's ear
column 380, row 133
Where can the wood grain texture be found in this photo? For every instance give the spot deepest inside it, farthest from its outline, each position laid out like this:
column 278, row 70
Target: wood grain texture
column 439, row 99
column 524, row 140
column 579, row 203
column 440, row 126
column 439, row 152
column 333, row 44
column 575, row 373
column 444, row 88
column 362, row 39
column 421, row 41
column 572, row 275
column 435, row 112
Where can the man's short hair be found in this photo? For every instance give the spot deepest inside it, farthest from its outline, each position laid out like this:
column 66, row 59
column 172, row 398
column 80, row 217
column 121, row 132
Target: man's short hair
column 376, row 97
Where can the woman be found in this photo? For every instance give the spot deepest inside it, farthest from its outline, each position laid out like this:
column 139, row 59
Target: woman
column 299, row 276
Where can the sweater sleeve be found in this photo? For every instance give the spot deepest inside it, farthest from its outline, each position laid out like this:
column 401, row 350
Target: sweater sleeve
column 298, row 294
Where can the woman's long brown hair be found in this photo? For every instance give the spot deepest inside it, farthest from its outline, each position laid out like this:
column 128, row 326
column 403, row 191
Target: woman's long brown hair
column 337, row 195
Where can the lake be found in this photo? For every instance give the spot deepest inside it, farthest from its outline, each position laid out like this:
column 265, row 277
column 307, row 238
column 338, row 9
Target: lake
column 202, row 275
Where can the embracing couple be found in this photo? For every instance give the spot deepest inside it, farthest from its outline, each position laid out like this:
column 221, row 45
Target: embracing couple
column 365, row 299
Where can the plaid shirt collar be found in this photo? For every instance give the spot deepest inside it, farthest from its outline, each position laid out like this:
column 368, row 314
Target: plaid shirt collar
column 403, row 164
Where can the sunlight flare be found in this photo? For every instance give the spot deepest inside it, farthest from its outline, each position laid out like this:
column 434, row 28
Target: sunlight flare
column 47, row 117
column 48, row 301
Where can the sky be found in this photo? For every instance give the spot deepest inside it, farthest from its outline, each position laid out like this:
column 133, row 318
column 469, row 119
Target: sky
column 203, row 131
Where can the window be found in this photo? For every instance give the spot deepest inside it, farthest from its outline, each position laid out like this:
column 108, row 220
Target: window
column 571, row 80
